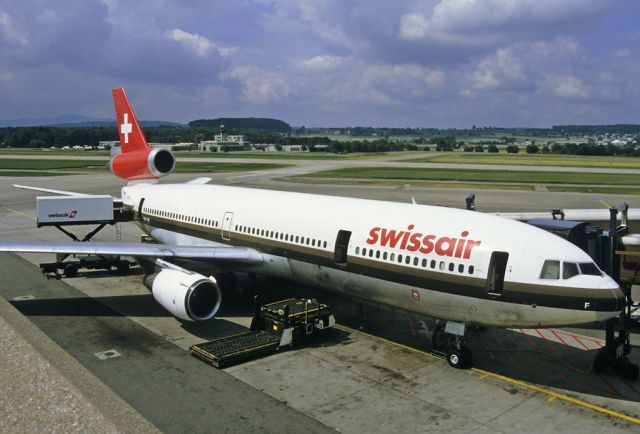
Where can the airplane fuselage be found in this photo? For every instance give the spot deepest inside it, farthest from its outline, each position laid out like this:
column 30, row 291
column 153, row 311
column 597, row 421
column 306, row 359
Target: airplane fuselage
column 447, row 263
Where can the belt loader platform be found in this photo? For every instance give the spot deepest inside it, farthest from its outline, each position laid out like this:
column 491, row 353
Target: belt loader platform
column 274, row 326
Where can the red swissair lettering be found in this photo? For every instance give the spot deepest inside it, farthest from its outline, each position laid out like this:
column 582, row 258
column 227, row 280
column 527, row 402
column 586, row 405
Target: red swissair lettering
column 417, row 242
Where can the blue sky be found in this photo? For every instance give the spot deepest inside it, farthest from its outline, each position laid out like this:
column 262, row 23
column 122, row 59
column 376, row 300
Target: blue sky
column 440, row 63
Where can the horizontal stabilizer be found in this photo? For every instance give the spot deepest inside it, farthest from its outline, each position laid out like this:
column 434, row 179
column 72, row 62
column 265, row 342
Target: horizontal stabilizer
column 199, row 181
column 49, row 190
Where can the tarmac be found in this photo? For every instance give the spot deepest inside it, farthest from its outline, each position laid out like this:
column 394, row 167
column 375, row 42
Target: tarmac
column 96, row 353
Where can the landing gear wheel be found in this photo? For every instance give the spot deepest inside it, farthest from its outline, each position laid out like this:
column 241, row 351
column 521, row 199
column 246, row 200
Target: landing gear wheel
column 629, row 371
column 459, row 359
column 71, row 270
column 440, row 340
column 123, row 267
column 600, row 362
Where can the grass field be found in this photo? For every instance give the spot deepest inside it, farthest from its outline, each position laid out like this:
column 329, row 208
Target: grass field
column 45, row 152
column 14, row 165
column 25, row 173
column 33, row 164
column 533, row 160
column 511, row 176
column 189, row 167
column 222, row 155
column 280, row 155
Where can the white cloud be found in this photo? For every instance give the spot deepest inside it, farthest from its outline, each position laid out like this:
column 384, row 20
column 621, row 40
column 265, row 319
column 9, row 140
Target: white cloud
column 261, row 86
column 322, row 63
column 622, row 52
column 568, row 87
column 9, row 31
column 482, row 22
column 413, row 26
column 500, row 68
column 198, row 43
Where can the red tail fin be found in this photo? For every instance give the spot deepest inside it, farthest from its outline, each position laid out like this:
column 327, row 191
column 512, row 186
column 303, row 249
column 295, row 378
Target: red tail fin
column 131, row 137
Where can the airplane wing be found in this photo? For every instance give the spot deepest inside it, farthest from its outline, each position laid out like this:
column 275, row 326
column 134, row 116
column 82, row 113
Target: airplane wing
column 590, row 215
column 241, row 255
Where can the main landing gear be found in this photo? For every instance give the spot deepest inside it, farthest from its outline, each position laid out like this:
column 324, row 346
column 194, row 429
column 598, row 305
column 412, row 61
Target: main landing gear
column 448, row 342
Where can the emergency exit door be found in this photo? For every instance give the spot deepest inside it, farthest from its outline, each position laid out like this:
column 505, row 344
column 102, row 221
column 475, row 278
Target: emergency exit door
column 227, row 221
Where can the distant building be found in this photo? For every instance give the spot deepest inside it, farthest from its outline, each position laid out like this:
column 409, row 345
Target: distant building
column 226, row 141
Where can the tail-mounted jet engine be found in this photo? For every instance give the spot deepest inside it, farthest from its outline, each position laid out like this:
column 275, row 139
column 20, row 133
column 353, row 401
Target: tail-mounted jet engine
column 188, row 296
column 143, row 163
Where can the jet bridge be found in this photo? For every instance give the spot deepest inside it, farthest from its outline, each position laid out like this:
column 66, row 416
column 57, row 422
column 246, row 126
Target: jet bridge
column 618, row 254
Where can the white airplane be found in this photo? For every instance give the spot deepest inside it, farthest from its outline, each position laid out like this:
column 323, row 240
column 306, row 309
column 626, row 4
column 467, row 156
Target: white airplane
column 463, row 267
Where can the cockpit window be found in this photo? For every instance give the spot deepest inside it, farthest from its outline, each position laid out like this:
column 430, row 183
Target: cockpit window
column 569, row 269
column 550, row 270
column 590, row 268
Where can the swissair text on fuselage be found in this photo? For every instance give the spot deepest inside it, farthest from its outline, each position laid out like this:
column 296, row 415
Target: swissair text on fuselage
column 424, row 243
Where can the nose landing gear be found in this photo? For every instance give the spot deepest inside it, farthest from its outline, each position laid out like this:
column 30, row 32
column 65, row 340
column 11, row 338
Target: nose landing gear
column 617, row 348
column 448, row 342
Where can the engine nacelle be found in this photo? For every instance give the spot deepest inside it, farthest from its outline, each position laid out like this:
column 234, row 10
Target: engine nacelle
column 146, row 163
column 189, row 296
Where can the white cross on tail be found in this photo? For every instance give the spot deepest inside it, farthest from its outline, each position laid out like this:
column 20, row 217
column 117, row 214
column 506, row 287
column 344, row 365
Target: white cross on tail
column 126, row 127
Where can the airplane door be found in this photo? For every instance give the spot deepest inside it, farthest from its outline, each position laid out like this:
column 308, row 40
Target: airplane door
column 342, row 246
column 227, row 220
column 140, row 208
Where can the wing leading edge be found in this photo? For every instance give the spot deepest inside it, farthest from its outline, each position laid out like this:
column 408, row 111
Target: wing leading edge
column 217, row 254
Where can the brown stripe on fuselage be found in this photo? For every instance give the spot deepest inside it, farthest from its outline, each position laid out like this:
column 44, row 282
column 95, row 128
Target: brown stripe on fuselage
column 451, row 283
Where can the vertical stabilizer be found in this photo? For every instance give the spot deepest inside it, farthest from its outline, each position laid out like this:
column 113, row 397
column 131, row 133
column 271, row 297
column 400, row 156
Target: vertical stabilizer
column 131, row 137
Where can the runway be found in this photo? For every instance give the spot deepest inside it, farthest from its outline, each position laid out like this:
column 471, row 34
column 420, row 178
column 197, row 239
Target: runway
column 366, row 376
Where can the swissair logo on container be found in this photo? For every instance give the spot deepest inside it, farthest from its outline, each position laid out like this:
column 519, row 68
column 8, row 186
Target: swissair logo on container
column 454, row 247
column 58, row 215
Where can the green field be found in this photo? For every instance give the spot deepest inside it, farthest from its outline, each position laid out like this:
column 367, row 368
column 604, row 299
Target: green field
column 31, row 173
column 43, row 164
column 273, row 155
column 45, row 152
column 74, row 166
column 598, row 190
column 281, row 155
column 189, row 167
column 512, row 176
column 532, row 160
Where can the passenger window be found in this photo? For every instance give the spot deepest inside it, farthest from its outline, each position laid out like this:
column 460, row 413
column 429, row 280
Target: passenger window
column 451, row 266
column 550, row 270
column 441, row 265
column 471, row 268
column 424, row 263
column 371, row 253
column 392, row 256
column 400, row 259
column 407, row 259
column 377, row 254
column 433, row 263
column 569, row 269
column 357, row 250
column 461, row 268
column 415, row 261
column 384, row 255
column 364, row 252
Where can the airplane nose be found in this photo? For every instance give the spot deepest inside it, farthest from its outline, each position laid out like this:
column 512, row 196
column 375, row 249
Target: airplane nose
column 619, row 297
column 610, row 297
